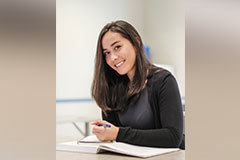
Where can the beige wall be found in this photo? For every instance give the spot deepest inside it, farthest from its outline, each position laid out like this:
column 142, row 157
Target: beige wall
column 164, row 32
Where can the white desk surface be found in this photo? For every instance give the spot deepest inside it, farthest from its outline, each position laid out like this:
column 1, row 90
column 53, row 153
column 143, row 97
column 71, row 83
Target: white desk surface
column 60, row 155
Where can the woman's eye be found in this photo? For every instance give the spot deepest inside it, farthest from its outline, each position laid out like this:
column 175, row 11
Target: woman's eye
column 115, row 48
column 106, row 53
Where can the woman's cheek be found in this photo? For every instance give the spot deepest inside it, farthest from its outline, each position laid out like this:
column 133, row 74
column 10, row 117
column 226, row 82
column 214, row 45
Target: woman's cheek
column 108, row 62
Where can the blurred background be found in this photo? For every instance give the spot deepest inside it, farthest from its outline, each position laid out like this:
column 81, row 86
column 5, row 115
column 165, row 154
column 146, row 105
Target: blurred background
column 161, row 24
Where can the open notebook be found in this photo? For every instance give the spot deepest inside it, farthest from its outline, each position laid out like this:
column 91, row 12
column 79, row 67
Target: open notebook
column 91, row 144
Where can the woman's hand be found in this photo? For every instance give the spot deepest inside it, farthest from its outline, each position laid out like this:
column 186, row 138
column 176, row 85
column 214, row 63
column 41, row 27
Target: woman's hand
column 103, row 131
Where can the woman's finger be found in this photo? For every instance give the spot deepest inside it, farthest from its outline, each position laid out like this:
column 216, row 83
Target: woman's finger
column 101, row 123
column 97, row 129
column 96, row 122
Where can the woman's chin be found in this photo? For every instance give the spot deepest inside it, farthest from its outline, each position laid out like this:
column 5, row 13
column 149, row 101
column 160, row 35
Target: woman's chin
column 121, row 73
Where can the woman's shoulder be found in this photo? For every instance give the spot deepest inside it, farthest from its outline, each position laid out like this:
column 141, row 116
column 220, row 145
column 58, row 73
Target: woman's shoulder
column 158, row 74
column 159, row 79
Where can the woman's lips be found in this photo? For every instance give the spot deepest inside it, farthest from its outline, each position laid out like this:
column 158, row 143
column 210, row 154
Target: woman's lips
column 119, row 64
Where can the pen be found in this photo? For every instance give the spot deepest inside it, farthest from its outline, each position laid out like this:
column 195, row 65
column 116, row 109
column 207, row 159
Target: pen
column 105, row 125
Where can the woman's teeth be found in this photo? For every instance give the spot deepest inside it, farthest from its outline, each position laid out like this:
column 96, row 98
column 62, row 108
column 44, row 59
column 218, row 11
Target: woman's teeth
column 117, row 65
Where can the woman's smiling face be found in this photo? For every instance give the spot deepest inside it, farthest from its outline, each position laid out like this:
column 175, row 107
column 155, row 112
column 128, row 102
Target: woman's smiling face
column 119, row 53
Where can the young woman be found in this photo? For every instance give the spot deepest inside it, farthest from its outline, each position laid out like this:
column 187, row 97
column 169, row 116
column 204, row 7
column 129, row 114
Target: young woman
column 140, row 102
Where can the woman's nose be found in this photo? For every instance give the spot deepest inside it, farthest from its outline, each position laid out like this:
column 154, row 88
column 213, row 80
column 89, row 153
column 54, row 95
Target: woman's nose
column 114, row 56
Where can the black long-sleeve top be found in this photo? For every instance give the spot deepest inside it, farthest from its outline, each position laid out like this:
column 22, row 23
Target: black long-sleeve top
column 165, row 102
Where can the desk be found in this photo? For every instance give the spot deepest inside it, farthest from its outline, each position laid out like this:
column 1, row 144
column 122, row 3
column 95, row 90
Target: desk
column 60, row 155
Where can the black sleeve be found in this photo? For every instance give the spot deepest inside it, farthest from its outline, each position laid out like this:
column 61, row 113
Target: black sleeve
column 170, row 134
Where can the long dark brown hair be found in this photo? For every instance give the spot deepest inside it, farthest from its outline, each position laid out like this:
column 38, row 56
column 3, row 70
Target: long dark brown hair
column 111, row 90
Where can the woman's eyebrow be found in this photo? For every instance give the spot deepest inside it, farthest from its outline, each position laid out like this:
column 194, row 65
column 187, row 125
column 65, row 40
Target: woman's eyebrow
column 114, row 43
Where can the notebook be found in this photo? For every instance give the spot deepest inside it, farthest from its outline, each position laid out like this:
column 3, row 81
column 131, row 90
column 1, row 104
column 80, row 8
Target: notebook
column 91, row 144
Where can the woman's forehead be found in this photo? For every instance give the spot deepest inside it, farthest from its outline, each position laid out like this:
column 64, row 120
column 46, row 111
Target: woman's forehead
column 111, row 37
